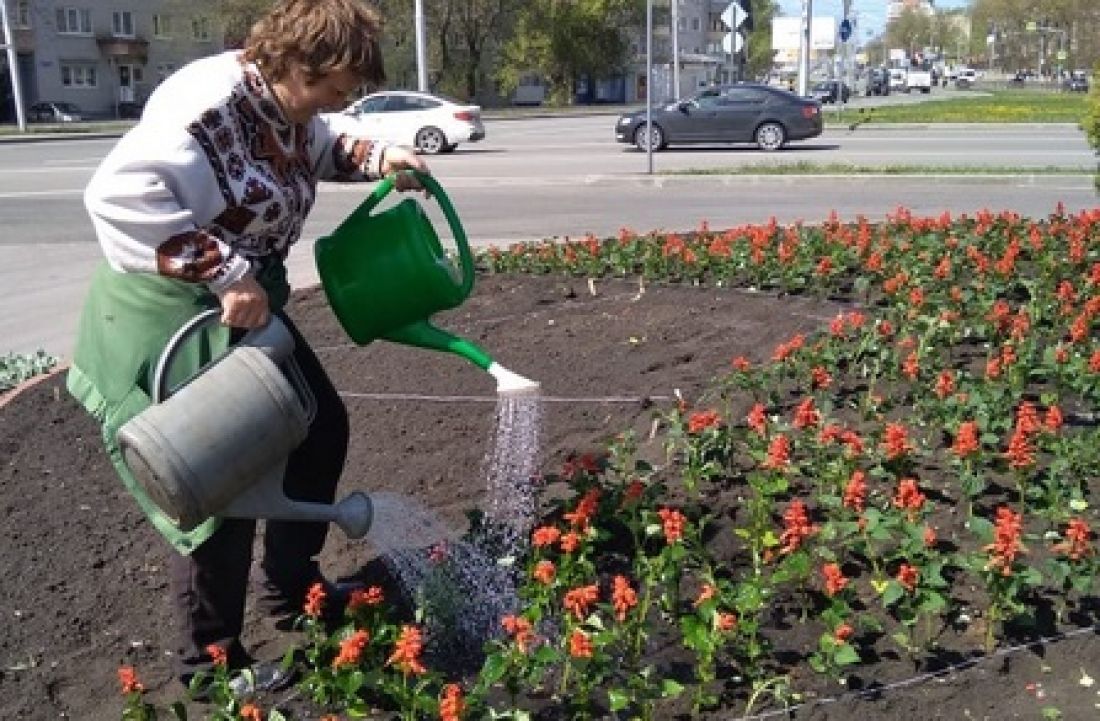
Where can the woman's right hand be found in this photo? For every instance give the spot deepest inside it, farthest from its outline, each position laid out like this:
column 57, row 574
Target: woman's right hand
column 244, row 304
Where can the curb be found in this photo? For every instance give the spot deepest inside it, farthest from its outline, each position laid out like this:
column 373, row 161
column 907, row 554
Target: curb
column 10, row 395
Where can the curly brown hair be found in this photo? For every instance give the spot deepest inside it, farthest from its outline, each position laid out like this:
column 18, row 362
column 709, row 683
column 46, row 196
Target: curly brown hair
column 318, row 37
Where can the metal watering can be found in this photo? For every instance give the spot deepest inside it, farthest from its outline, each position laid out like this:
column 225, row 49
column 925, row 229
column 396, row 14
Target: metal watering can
column 218, row 444
column 385, row 273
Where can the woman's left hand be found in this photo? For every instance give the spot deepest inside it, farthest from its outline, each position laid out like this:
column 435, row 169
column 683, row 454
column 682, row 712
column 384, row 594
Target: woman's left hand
column 398, row 157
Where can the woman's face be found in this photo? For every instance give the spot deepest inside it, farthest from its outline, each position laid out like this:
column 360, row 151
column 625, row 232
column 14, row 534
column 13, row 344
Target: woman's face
column 302, row 99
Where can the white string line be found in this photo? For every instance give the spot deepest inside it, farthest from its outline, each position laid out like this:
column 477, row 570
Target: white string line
column 921, row 678
column 496, row 398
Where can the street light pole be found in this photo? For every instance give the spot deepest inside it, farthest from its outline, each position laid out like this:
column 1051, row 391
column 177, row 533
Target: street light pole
column 675, row 21
column 804, row 49
column 649, row 85
column 421, row 48
column 13, row 67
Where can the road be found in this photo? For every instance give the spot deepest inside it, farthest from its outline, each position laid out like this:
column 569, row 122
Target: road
column 541, row 177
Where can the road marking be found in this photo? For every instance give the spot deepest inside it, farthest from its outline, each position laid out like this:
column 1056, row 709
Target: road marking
column 42, row 193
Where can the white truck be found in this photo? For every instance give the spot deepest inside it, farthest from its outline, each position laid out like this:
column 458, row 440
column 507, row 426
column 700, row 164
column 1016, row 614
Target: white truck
column 919, row 76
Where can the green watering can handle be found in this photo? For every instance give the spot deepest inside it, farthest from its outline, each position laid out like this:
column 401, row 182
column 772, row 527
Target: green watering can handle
column 465, row 256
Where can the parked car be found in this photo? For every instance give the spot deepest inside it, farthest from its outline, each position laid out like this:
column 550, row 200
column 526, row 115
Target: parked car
column 1020, row 78
column 965, row 78
column 878, row 82
column 740, row 113
column 51, row 112
column 1077, row 82
column 430, row 123
column 831, row 91
column 899, row 80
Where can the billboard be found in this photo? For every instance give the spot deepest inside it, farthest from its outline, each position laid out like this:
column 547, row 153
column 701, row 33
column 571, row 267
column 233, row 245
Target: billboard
column 787, row 31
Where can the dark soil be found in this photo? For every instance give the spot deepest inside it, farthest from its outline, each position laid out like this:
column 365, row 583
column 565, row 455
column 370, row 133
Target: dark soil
column 84, row 587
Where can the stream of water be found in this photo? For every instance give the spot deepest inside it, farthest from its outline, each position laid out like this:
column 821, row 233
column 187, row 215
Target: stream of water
column 466, row 584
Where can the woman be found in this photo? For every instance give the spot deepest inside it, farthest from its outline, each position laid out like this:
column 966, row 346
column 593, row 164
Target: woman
column 195, row 208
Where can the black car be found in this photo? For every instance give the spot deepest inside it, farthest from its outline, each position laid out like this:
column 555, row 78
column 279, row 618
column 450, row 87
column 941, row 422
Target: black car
column 50, row 112
column 1077, row 82
column 878, row 82
column 741, row 113
column 831, row 91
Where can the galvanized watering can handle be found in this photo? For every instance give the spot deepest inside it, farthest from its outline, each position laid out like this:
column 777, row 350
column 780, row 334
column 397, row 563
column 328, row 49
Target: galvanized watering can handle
column 254, row 337
column 465, row 256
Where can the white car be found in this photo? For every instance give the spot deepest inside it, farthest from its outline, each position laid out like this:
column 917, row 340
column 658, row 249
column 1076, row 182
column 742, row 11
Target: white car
column 429, row 123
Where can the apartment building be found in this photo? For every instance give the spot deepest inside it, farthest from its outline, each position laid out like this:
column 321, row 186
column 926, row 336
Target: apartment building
column 102, row 55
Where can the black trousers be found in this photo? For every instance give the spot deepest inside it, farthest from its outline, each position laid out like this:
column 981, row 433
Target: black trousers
column 210, row 586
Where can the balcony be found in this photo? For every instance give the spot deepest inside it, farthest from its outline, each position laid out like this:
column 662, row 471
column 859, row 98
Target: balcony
column 123, row 48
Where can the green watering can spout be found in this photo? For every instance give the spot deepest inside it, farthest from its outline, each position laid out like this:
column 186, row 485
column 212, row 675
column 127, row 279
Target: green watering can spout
column 425, row 335
column 385, row 273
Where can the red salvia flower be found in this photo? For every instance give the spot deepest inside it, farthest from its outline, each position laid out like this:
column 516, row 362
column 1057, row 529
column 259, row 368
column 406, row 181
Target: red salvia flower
column 128, row 680
column 855, row 493
column 702, row 420
column 908, row 577
column 1053, row 419
column 251, row 712
column 929, row 537
column 796, row 527
column 910, row 367
column 217, row 654
column 779, row 453
column 843, row 632
column 545, row 536
column 351, row 649
column 705, row 594
column 835, row 580
column 585, row 510
column 1020, row 452
column 407, row 650
column 725, row 621
column 570, row 542
column 578, row 600
column 521, row 631
column 623, row 597
column 580, row 646
column 365, row 597
column 806, row 415
column 1027, row 418
column 741, row 363
column 820, row 378
column 672, row 522
column 909, row 497
column 1078, row 543
column 896, row 441
column 945, row 384
column 633, row 491
column 1006, row 541
column 544, row 572
column 966, row 440
column 757, row 420
column 451, row 705
column 315, row 600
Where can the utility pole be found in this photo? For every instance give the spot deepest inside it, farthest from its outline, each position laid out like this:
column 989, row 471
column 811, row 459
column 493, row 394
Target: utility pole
column 13, row 67
column 804, row 49
column 649, row 86
column 421, row 48
column 675, row 21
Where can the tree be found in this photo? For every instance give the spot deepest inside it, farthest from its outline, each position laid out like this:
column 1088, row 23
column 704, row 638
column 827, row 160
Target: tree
column 563, row 40
column 911, row 31
column 761, row 57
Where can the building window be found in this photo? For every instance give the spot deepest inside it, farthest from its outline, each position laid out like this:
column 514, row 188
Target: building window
column 695, row 24
column 22, row 14
column 200, row 28
column 162, row 26
column 78, row 75
column 123, row 26
column 74, row 21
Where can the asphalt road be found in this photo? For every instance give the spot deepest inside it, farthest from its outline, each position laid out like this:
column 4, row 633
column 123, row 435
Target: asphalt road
column 544, row 177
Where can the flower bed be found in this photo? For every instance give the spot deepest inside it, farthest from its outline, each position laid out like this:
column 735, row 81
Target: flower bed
column 916, row 481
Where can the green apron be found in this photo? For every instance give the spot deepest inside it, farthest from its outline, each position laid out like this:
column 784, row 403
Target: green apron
column 127, row 320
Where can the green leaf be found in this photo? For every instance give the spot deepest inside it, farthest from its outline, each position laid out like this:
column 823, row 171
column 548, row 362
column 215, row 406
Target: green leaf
column 845, row 655
column 617, row 699
column 494, row 669
column 671, row 689
column 893, row 593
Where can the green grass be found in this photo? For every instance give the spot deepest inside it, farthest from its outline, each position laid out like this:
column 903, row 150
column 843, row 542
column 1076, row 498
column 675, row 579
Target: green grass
column 998, row 106
column 806, row 167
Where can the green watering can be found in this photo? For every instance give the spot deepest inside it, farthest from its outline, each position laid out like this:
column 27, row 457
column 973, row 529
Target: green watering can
column 385, row 274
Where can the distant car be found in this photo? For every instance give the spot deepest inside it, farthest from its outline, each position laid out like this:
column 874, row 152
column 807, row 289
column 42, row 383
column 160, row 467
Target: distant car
column 430, row 123
column 878, row 82
column 1077, row 82
column 965, row 78
column 831, row 91
column 50, row 112
column 1020, row 78
column 899, row 80
column 740, row 113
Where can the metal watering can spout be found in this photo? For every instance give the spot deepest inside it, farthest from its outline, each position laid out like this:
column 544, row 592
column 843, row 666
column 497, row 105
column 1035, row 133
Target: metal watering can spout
column 217, row 445
column 385, row 273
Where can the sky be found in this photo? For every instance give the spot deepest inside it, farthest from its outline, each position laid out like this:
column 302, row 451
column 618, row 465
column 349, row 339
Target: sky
column 871, row 13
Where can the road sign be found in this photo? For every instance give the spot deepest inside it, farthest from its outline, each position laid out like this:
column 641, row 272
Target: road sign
column 733, row 16
column 845, row 30
column 733, row 42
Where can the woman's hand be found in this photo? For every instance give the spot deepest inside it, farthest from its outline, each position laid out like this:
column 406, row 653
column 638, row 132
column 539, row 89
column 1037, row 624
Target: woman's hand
column 399, row 157
column 244, row 304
